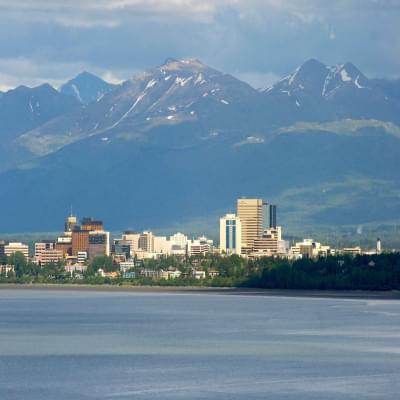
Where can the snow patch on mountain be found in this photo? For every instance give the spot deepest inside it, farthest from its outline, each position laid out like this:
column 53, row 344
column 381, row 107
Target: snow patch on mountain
column 357, row 83
column 77, row 92
column 151, row 83
column 293, row 76
column 129, row 111
column 344, row 75
column 183, row 81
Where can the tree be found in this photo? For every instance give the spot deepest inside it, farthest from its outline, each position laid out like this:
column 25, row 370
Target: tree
column 105, row 263
column 19, row 261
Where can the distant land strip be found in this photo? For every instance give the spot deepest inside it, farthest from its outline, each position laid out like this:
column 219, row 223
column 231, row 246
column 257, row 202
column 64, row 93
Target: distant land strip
column 341, row 294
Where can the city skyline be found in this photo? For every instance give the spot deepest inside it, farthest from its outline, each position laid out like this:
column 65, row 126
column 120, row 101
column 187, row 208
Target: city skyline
column 250, row 233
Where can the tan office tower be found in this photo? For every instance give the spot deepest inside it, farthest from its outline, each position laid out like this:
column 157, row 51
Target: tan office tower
column 250, row 213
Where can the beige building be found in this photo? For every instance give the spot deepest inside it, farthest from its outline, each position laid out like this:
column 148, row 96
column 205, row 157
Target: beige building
column 250, row 213
column 146, row 242
column 46, row 252
column 132, row 238
column 268, row 243
column 11, row 248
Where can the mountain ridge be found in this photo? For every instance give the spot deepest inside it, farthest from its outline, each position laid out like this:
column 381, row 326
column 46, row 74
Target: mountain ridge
column 86, row 87
column 195, row 138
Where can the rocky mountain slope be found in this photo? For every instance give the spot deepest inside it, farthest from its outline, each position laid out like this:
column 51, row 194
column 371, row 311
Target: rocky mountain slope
column 86, row 88
column 183, row 140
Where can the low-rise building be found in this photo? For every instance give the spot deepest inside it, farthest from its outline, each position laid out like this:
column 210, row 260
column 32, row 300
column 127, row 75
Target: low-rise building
column 10, row 248
column 112, row 275
column 268, row 244
column 46, row 253
column 200, row 246
column 198, row 274
column 170, row 273
column 129, row 275
column 149, row 273
column 352, row 251
column 212, row 273
column 309, row 248
column 75, row 268
column 7, row 270
column 126, row 265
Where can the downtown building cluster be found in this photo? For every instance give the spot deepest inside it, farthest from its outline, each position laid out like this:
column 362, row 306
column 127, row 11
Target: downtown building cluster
column 251, row 232
column 82, row 242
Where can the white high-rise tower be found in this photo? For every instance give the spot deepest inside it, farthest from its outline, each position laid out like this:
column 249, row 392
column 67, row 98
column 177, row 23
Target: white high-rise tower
column 230, row 234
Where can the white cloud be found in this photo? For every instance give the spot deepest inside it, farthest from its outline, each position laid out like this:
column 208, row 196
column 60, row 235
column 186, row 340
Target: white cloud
column 111, row 13
column 22, row 71
column 108, row 76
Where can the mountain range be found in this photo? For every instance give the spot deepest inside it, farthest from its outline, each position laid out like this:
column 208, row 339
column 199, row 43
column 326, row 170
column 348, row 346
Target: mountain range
column 182, row 141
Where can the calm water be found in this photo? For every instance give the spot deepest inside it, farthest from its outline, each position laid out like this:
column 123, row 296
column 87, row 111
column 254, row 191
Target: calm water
column 83, row 345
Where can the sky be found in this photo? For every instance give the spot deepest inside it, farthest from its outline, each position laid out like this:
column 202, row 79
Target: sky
column 257, row 41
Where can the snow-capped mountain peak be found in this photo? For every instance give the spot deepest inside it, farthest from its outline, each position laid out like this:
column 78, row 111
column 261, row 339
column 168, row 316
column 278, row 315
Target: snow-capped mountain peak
column 316, row 79
column 86, row 87
column 342, row 75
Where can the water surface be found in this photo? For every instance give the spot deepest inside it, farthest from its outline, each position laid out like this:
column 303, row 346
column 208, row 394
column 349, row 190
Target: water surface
column 57, row 345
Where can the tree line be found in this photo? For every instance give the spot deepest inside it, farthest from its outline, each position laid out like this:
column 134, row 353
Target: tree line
column 362, row 272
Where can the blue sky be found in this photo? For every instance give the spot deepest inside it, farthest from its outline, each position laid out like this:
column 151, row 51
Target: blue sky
column 255, row 40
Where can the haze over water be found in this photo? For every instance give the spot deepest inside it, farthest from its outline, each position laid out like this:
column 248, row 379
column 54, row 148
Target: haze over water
column 87, row 345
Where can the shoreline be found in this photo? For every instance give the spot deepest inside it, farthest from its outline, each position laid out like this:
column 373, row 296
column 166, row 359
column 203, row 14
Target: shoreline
column 330, row 294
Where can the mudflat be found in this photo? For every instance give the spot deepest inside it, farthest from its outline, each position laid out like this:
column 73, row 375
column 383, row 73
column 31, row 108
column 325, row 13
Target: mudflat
column 344, row 294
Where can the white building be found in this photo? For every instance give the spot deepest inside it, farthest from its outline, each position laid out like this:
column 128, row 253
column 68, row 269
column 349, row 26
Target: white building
column 126, row 265
column 179, row 239
column 200, row 246
column 198, row 274
column 309, row 248
column 230, row 234
column 11, row 248
column 170, row 274
column 82, row 257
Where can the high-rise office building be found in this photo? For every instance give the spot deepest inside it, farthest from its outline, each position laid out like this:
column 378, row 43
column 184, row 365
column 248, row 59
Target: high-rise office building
column 230, row 234
column 91, row 238
column 269, row 215
column 99, row 244
column 80, row 240
column 146, row 242
column 250, row 213
column 89, row 224
column 70, row 222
